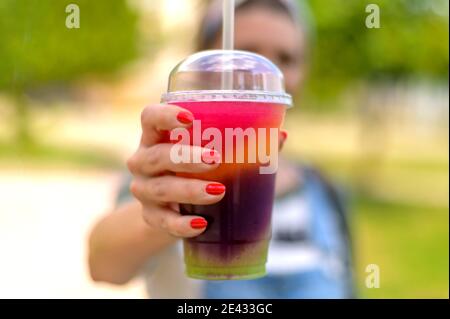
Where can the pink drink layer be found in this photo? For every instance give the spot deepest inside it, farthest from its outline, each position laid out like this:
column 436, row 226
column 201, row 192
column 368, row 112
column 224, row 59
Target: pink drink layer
column 235, row 243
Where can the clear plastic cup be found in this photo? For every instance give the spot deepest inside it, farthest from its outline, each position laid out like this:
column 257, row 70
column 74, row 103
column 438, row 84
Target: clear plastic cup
column 238, row 97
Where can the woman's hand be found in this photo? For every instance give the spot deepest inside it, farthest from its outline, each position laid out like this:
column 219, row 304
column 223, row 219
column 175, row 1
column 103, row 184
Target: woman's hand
column 154, row 182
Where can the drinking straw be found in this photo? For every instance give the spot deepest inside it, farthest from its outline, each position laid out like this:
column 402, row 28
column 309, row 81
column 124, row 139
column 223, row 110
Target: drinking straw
column 228, row 25
column 228, row 39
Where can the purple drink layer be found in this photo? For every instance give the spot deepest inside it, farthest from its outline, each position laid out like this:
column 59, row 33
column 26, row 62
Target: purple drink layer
column 239, row 229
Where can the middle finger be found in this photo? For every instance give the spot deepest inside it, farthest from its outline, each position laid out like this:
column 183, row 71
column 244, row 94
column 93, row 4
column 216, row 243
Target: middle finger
column 177, row 189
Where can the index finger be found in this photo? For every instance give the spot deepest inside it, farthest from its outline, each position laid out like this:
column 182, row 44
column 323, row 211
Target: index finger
column 162, row 117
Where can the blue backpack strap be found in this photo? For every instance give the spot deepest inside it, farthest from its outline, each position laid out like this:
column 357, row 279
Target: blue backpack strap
column 335, row 199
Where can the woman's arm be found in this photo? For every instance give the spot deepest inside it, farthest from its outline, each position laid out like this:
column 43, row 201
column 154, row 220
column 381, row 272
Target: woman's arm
column 122, row 242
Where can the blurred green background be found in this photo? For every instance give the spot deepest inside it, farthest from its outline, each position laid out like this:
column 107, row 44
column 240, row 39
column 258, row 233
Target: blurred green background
column 373, row 116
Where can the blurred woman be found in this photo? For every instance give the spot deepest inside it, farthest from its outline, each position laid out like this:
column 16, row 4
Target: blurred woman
column 309, row 255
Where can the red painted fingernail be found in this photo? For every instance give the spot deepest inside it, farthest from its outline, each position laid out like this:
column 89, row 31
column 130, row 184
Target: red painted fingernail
column 199, row 223
column 215, row 189
column 211, row 157
column 185, row 118
column 284, row 135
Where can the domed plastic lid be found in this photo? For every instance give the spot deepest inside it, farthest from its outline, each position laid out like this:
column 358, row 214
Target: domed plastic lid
column 225, row 75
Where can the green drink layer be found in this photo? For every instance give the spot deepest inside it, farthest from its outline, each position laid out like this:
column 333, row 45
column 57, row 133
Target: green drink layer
column 213, row 261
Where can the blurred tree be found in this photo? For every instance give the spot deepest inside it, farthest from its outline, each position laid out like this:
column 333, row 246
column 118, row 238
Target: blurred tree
column 351, row 60
column 411, row 42
column 37, row 48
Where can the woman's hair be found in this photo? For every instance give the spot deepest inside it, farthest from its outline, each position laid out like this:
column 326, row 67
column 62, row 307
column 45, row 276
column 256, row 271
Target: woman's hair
column 211, row 25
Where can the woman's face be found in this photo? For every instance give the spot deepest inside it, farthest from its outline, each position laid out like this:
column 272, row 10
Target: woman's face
column 275, row 36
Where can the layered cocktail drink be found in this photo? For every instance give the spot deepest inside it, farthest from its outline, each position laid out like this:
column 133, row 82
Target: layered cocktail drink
column 244, row 121
column 235, row 244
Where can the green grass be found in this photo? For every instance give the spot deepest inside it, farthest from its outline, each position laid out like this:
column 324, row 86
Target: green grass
column 409, row 243
column 38, row 154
